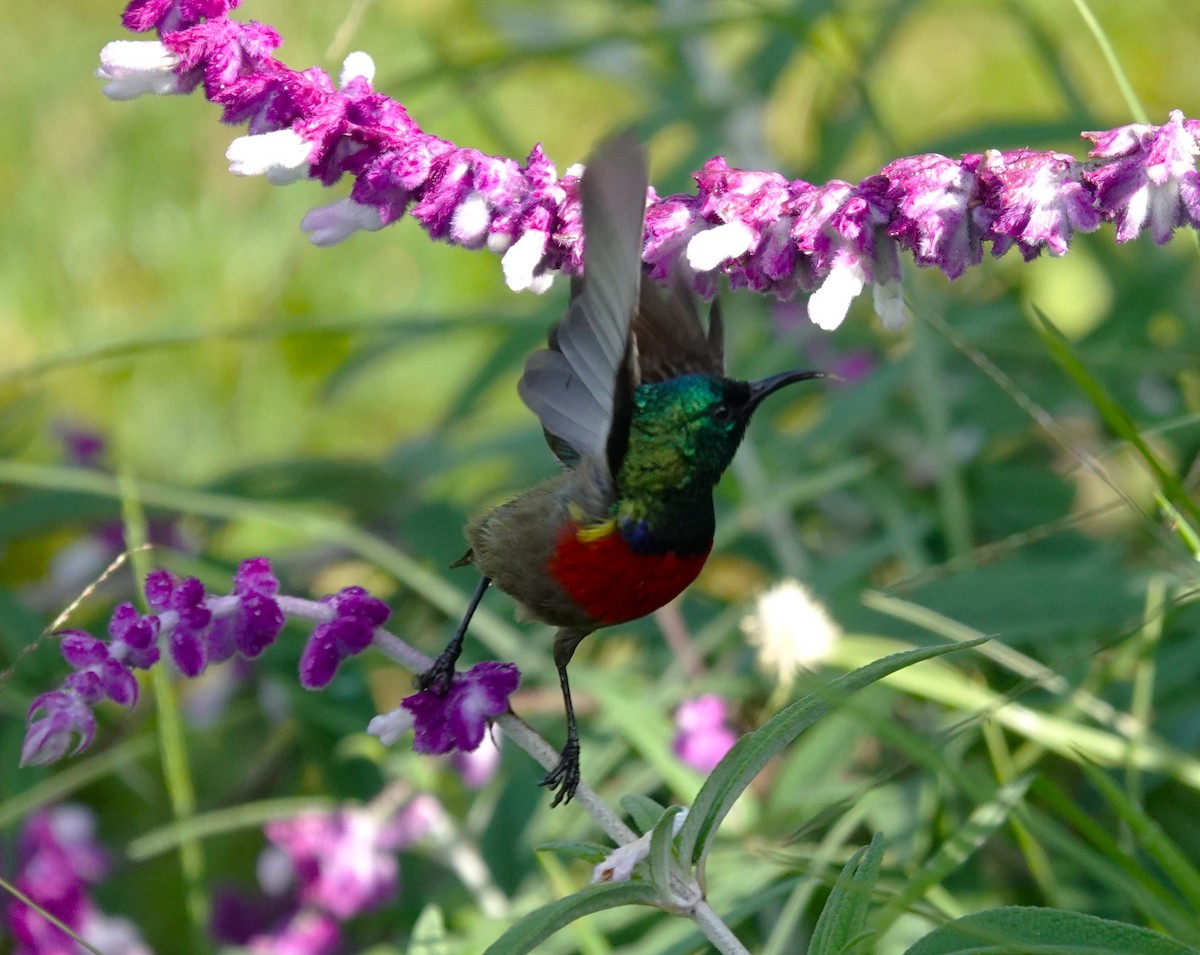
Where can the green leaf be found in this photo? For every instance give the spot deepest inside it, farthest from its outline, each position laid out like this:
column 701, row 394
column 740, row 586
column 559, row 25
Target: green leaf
column 1030, row 931
column 591, row 852
column 954, row 851
column 527, row 934
column 643, row 811
column 1094, row 847
column 662, row 863
column 1149, row 835
column 845, row 912
column 754, row 750
column 429, row 934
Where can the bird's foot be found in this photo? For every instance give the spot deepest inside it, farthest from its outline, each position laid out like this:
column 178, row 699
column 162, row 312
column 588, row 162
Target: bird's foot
column 439, row 675
column 564, row 777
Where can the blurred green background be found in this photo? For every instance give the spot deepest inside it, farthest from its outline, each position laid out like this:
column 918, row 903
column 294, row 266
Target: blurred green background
column 369, row 389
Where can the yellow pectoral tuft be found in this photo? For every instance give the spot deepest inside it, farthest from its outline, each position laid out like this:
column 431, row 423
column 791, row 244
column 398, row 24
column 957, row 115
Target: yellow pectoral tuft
column 596, row 532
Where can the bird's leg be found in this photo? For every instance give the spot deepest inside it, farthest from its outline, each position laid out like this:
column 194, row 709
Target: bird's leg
column 441, row 671
column 565, row 775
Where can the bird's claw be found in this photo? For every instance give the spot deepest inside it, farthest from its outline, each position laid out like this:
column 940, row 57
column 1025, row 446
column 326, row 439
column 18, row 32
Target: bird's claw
column 564, row 777
column 438, row 677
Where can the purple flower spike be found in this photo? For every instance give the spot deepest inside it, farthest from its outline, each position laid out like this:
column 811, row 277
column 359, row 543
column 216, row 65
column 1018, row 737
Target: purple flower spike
column 254, row 576
column 457, row 721
column 259, row 618
column 100, row 667
column 102, row 671
column 65, row 713
column 1151, row 178
column 188, row 641
column 158, row 589
column 933, row 197
column 134, row 637
column 347, row 634
column 143, row 15
column 201, row 637
column 305, row 933
column 259, row 621
column 356, row 602
column 1033, row 200
column 328, row 646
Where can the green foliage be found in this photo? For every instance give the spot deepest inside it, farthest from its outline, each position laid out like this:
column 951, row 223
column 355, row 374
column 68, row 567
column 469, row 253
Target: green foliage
column 1025, row 931
column 535, row 928
column 839, row 930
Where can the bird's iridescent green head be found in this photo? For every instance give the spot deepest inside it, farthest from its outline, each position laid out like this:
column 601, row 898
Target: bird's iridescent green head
column 685, row 431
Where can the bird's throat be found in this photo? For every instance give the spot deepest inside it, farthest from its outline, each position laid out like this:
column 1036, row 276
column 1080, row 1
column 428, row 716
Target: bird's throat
column 680, row 521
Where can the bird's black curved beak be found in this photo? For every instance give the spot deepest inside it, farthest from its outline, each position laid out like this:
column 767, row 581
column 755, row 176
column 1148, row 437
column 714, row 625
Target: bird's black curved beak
column 768, row 386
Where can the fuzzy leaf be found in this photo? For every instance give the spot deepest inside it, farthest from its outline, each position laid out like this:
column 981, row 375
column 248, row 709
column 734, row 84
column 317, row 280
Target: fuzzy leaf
column 662, row 864
column 591, row 852
column 1031, row 931
column 845, row 913
column 643, row 811
column 527, row 934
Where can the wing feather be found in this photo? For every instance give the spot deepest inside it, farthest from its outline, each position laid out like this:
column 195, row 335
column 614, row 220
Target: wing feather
column 671, row 339
column 572, row 385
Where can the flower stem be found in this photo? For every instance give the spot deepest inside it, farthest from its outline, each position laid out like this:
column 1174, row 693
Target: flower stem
column 716, row 931
column 1114, row 64
column 176, row 771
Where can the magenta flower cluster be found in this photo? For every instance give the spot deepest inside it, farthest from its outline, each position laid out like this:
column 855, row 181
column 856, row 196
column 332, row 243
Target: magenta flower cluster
column 320, row 870
column 59, row 861
column 759, row 229
column 702, row 733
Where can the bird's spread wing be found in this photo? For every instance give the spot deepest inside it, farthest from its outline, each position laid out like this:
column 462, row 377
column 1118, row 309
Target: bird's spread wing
column 671, row 341
column 581, row 386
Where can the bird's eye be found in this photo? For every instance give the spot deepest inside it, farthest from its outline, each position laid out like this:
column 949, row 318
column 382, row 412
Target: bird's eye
column 722, row 413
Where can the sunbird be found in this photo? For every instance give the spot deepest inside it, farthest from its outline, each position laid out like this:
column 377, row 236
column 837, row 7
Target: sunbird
column 632, row 395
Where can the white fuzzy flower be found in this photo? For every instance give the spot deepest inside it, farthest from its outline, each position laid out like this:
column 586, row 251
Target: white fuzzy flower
column 522, row 257
column 621, row 862
column 471, row 219
column 708, row 249
column 282, row 156
column 389, row 727
column 275, row 870
column 499, row 242
column 827, row 306
column 137, row 67
column 355, row 65
column 329, row 225
column 791, row 630
column 889, row 305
